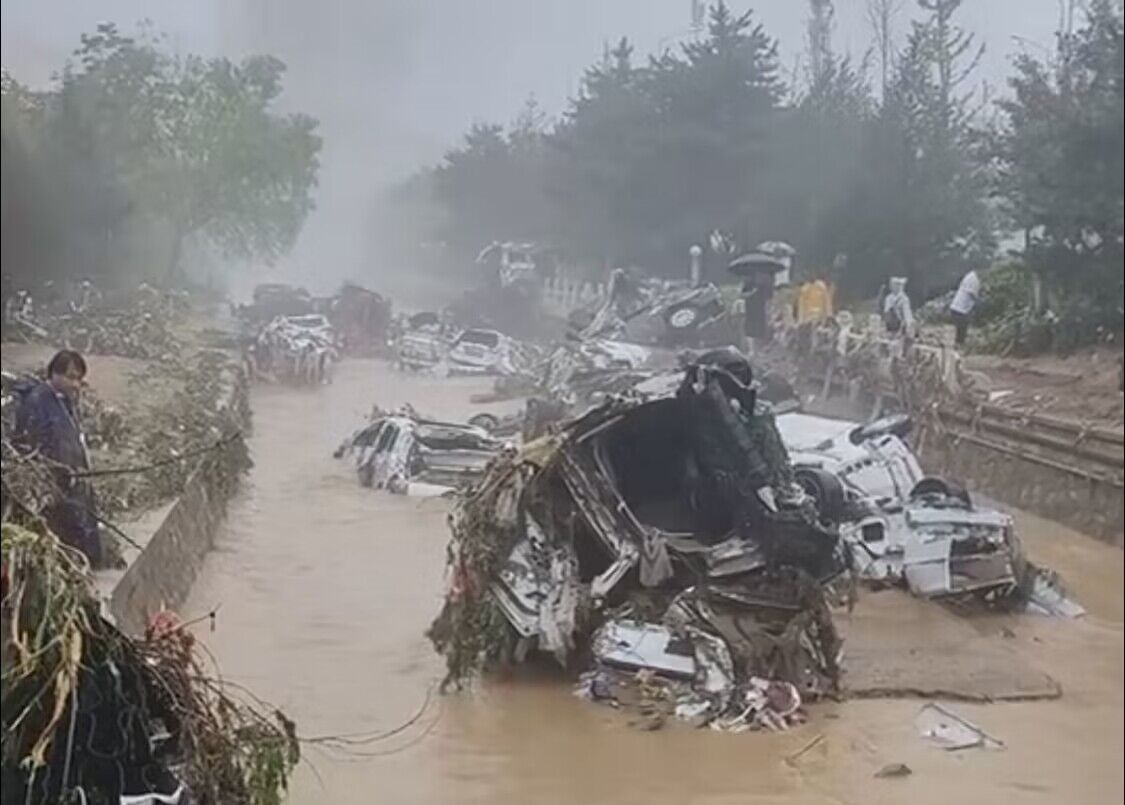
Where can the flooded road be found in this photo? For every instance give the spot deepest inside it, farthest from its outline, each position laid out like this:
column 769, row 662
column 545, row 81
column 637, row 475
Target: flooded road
column 326, row 589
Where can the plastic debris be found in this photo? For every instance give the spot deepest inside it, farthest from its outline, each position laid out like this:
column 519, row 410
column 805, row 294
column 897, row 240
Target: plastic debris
column 950, row 731
column 894, row 770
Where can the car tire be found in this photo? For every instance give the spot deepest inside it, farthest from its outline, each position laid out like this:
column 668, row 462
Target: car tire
column 826, row 490
column 366, row 475
column 486, row 422
column 682, row 318
column 932, row 485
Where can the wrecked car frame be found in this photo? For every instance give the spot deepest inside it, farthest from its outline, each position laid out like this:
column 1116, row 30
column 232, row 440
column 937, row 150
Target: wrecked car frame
column 901, row 525
column 599, row 524
column 411, row 455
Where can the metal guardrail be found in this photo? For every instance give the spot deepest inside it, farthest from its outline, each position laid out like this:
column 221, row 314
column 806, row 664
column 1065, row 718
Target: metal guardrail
column 1044, row 438
column 1094, row 453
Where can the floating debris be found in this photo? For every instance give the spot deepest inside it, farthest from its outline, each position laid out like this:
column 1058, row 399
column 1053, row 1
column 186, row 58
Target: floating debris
column 892, row 770
column 950, row 731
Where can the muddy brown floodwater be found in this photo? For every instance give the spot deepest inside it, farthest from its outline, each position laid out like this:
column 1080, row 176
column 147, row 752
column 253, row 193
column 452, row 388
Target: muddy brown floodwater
column 326, row 588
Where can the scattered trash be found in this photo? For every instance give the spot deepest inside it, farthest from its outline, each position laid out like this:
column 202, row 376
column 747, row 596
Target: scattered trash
column 1047, row 596
column 950, row 731
column 792, row 759
column 649, row 723
column 892, row 770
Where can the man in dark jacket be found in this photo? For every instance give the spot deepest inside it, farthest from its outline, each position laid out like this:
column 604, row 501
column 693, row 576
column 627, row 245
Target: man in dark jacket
column 47, row 423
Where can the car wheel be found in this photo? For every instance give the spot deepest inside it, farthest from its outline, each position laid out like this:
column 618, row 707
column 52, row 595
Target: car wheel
column 825, row 489
column 486, row 422
column 682, row 317
column 366, row 476
column 941, row 486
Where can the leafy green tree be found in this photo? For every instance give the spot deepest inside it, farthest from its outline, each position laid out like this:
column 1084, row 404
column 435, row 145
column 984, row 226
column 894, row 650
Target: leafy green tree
column 649, row 160
column 596, row 159
column 134, row 144
column 224, row 166
column 1061, row 165
column 917, row 204
column 818, row 146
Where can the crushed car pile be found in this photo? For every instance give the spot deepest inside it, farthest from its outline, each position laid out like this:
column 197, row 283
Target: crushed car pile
column 683, row 544
column 667, row 542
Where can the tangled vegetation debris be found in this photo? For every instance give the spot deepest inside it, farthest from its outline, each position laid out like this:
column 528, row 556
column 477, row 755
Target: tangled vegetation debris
column 86, row 707
column 203, row 419
column 471, row 630
column 142, row 324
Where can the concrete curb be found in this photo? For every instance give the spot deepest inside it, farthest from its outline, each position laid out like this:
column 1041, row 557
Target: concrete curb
column 163, row 574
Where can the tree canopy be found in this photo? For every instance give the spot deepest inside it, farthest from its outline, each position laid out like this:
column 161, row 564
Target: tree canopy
column 1060, row 158
column 134, row 153
column 920, row 175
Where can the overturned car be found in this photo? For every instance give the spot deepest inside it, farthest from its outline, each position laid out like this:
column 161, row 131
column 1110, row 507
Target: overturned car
column 411, row 455
column 904, row 527
column 678, row 521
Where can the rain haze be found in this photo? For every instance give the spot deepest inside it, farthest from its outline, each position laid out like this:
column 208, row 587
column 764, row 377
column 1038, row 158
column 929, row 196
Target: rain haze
column 614, row 402
column 395, row 83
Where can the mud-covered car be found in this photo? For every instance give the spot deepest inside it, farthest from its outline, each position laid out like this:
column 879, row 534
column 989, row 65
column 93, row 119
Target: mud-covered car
column 422, row 344
column 415, row 456
column 314, row 325
column 488, row 352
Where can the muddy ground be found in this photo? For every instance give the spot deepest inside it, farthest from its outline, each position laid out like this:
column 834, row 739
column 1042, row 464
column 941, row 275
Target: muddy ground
column 325, row 590
column 1082, row 386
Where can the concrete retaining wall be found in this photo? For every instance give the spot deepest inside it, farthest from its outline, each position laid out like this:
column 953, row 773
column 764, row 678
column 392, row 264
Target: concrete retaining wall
column 163, row 574
column 1085, row 498
column 1092, row 506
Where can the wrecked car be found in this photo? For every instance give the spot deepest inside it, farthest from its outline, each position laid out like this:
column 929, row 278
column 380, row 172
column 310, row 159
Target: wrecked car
column 902, row 526
column 666, row 315
column 512, row 263
column 410, row 455
column 314, row 325
column 479, row 351
column 422, row 343
column 677, row 519
column 300, row 349
column 274, row 299
column 362, row 317
column 575, row 371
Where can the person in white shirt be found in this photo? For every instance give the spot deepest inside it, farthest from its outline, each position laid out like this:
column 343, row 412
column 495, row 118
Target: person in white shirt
column 964, row 301
column 898, row 316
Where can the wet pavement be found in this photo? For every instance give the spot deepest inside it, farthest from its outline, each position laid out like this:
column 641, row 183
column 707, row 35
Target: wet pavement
column 326, row 589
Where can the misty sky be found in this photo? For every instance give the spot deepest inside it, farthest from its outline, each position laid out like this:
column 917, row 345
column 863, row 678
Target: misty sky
column 394, row 82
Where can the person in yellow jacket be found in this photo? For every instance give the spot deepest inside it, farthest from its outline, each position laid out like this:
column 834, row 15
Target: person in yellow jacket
column 814, row 301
